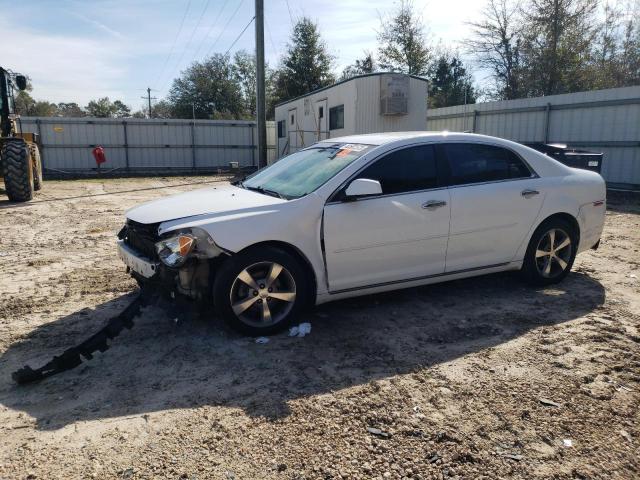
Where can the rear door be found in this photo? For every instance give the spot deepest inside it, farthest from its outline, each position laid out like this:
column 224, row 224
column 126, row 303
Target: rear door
column 394, row 237
column 495, row 198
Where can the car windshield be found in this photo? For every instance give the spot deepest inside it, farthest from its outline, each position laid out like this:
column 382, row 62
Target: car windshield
column 302, row 172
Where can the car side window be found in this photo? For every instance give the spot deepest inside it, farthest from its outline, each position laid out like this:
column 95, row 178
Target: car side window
column 405, row 170
column 475, row 163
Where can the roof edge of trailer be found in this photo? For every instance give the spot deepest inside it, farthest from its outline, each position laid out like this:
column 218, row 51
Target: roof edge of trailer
column 348, row 80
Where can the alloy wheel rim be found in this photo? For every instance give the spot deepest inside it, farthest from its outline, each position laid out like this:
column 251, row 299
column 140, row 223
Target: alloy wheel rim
column 263, row 294
column 553, row 253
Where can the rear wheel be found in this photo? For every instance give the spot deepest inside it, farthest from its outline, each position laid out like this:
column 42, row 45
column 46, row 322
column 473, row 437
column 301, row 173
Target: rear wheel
column 17, row 170
column 551, row 252
column 261, row 290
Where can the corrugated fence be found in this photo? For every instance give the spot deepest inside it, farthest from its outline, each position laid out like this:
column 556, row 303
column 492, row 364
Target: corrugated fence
column 146, row 145
column 605, row 121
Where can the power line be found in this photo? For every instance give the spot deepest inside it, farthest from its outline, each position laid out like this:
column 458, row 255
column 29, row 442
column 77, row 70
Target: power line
column 238, row 37
column 213, row 24
column 175, row 40
column 206, row 6
column 225, row 28
column 290, row 16
column 275, row 50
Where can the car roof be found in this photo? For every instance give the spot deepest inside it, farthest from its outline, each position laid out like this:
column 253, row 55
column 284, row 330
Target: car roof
column 389, row 137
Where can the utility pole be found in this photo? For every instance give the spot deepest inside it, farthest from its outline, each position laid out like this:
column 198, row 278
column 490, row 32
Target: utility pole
column 149, row 98
column 261, row 120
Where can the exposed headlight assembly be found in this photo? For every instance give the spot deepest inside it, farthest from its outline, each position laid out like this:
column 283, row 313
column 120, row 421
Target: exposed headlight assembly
column 173, row 251
column 194, row 242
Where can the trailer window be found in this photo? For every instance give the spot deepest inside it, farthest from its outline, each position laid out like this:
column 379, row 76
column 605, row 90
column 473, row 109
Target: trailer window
column 336, row 117
column 281, row 132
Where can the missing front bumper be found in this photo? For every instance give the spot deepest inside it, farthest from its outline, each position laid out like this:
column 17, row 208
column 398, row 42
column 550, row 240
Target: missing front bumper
column 140, row 265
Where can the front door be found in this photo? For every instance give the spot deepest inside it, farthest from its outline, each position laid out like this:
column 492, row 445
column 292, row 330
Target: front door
column 295, row 141
column 321, row 112
column 394, row 237
column 495, row 199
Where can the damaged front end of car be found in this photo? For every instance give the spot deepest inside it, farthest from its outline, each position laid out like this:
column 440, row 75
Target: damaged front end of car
column 176, row 266
column 180, row 262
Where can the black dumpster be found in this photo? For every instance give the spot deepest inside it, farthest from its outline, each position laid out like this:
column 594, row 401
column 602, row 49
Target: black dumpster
column 571, row 157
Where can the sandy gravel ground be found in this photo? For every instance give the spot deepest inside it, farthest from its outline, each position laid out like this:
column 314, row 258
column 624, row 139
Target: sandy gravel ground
column 455, row 377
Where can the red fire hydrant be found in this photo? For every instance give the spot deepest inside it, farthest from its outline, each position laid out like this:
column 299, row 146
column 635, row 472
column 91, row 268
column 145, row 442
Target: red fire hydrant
column 98, row 155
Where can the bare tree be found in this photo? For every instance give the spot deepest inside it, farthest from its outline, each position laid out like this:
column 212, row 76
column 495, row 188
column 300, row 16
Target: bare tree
column 630, row 48
column 495, row 44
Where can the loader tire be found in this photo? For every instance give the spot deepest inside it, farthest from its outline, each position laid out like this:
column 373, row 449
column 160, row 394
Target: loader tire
column 37, row 166
column 17, row 170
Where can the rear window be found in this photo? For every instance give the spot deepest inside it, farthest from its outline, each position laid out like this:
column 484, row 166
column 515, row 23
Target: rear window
column 476, row 163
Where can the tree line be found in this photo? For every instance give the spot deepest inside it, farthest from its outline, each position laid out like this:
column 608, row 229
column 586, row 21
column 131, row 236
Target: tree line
column 524, row 48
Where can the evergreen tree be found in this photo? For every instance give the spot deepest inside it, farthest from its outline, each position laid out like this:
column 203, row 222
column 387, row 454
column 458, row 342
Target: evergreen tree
column 450, row 83
column 307, row 64
column 361, row 66
column 557, row 43
column 210, row 89
column 401, row 42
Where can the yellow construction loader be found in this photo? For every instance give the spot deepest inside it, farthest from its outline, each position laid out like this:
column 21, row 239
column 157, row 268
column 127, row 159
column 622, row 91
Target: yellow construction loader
column 20, row 163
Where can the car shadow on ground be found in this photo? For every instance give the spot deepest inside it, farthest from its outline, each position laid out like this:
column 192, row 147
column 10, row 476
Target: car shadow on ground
column 161, row 364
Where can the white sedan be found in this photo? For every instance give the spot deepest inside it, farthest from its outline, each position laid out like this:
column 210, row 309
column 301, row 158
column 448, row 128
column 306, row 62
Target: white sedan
column 364, row 214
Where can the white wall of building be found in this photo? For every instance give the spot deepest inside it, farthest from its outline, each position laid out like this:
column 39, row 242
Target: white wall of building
column 361, row 99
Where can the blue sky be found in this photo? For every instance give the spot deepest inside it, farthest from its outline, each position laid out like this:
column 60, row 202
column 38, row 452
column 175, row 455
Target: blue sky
column 79, row 50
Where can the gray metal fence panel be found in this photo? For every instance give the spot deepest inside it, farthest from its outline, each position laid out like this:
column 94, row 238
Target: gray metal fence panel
column 147, row 145
column 604, row 120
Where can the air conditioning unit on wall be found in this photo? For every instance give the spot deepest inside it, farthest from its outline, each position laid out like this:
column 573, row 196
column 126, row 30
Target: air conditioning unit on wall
column 394, row 94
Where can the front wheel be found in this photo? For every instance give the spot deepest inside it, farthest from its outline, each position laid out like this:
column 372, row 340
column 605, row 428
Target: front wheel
column 260, row 291
column 17, row 170
column 551, row 252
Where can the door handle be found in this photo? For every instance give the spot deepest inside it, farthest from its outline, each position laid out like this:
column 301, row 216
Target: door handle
column 433, row 204
column 529, row 193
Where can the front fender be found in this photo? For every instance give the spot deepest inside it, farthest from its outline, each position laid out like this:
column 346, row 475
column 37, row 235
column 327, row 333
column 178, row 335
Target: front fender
column 296, row 223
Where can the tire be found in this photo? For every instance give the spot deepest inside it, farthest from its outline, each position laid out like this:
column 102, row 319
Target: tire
column 541, row 269
column 17, row 170
column 37, row 166
column 249, row 305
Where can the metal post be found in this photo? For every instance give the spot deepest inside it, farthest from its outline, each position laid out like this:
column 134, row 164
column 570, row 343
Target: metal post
column 547, row 114
column 475, row 120
column 261, row 120
column 253, row 145
column 41, row 144
column 193, row 145
column 126, row 144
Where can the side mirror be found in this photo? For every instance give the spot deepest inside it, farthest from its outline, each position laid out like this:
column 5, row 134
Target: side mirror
column 21, row 82
column 362, row 187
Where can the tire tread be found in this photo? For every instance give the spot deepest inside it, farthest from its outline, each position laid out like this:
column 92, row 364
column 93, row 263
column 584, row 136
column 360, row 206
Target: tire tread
column 16, row 162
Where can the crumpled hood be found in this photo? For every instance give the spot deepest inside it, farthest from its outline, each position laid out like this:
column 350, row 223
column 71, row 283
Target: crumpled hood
column 209, row 200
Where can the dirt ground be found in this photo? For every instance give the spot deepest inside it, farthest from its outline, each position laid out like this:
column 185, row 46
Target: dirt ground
column 480, row 378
